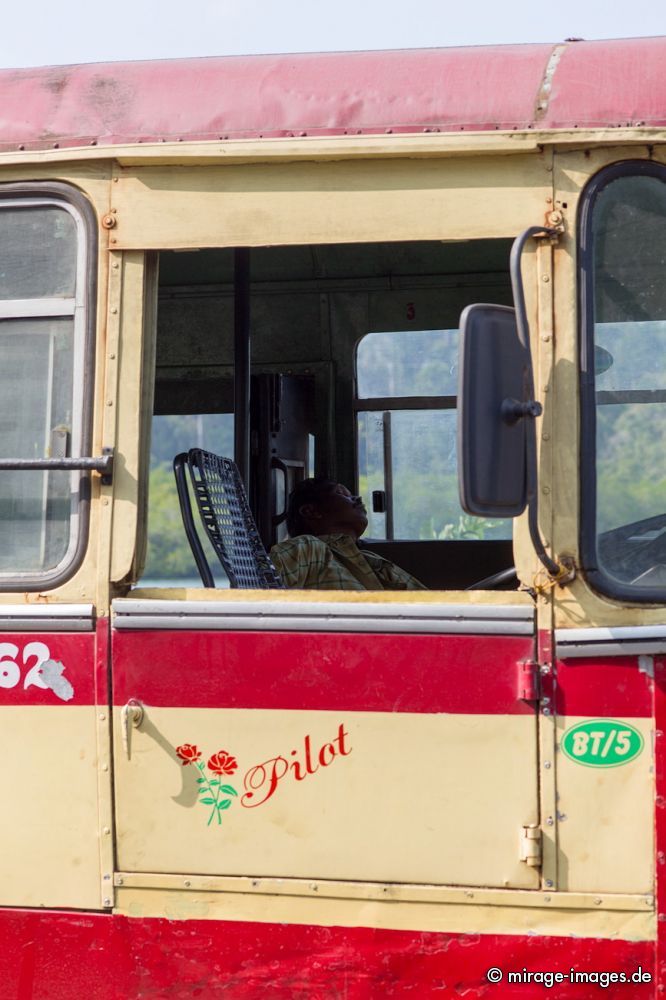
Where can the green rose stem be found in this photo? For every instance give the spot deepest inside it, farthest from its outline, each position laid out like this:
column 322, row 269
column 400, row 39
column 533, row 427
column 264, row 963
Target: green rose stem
column 215, row 794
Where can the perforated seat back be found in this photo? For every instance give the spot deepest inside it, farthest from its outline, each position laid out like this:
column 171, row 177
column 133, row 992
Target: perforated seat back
column 227, row 518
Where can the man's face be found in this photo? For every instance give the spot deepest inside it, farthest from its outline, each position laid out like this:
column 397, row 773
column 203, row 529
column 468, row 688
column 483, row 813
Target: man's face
column 339, row 510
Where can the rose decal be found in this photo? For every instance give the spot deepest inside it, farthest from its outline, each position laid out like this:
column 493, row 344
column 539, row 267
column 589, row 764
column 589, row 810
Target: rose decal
column 188, row 753
column 222, row 763
column 212, row 792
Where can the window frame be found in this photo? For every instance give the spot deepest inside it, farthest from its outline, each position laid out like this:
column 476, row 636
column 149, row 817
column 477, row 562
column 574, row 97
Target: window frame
column 83, row 315
column 598, row 578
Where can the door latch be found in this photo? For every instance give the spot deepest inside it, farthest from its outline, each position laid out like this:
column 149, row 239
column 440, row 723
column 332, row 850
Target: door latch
column 131, row 717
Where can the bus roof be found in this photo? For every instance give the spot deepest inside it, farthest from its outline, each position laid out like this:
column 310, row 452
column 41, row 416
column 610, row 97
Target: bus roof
column 509, row 87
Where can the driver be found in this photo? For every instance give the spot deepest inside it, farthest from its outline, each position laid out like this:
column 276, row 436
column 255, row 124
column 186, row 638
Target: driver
column 325, row 522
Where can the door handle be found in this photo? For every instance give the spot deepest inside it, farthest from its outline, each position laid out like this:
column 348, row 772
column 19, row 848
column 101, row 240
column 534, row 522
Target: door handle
column 131, row 717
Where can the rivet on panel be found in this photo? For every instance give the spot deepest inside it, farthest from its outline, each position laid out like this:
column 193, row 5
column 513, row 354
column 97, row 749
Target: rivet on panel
column 187, row 883
column 119, row 881
column 105, row 767
column 545, row 278
column 106, row 831
column 114, row 310
column 547, row 765
column 102, row 717
column 598, row 901
column 107, row 902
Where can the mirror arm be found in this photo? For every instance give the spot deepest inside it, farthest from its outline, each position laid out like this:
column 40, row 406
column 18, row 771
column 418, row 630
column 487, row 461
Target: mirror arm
column 532, row 408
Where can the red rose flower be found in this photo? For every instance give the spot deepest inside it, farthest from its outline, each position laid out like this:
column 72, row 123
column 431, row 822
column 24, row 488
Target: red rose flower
column 222, row 763
column 188, row 753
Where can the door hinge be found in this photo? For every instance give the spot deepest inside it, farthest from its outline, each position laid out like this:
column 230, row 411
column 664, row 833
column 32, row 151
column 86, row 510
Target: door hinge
column 530, row 845
column 529, row 688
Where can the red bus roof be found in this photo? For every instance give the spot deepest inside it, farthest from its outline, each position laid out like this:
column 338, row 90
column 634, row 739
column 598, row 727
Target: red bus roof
column 574, row 84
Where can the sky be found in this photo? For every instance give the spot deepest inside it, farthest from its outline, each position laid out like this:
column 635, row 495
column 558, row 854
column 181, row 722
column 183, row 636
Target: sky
column 56, row 32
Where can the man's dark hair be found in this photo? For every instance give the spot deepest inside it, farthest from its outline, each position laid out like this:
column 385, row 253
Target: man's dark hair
column 307, row 491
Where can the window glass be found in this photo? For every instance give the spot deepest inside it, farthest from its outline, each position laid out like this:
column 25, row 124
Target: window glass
column 36, row 401
column 42, row 346
column 45, row 266
column 169, row 559
column 409, row 454
column 414, row 363
column 629, row 241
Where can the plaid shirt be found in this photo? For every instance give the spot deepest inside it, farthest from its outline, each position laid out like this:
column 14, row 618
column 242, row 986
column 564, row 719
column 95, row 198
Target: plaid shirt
column 335, row 562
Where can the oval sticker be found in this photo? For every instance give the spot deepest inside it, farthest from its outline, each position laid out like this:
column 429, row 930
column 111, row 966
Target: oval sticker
column 602, row 743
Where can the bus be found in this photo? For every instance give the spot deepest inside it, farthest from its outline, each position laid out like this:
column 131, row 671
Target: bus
column 216, row 791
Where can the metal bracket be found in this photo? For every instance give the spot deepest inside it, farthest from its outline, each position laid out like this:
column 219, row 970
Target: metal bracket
column 530, row 845
column 529, row 687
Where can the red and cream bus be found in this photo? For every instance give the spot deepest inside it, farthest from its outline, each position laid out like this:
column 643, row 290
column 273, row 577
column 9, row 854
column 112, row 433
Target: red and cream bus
column 222, row 792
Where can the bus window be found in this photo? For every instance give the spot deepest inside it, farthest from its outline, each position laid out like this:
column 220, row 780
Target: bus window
column 44, row 409
column 624, row 385
column 406, row 399
column 336, row 384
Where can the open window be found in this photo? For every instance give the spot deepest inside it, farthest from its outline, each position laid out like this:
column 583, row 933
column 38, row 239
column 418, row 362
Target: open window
column 353, row 353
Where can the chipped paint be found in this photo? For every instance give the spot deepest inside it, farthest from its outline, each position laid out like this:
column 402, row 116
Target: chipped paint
column 646, row 665
column 545, row 91
column 52, row 675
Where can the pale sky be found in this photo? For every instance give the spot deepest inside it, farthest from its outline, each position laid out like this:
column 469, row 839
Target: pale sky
column 47, row 32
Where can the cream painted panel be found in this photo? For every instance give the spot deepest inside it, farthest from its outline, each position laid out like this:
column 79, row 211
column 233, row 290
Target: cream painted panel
column 605, row 820
column 444, row 918
column 418, row 798
column 49, row 843
column 326, row 202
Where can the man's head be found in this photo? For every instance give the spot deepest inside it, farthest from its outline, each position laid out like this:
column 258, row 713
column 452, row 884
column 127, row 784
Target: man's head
column 323, row 507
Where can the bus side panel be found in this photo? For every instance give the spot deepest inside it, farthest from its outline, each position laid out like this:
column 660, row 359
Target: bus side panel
column 350, row 755
column 605, row 775
column 68, row 956
column 50, row 852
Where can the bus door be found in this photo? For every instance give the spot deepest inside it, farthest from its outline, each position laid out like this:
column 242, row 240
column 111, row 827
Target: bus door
column 330, row 739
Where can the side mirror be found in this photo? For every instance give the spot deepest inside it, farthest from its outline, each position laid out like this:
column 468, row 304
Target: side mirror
column 495, row 394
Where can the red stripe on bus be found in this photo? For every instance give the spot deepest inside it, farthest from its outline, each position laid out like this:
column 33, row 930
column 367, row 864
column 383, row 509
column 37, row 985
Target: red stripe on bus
column 23, row 656
column 330, row 671
column 67, row 956
column 603, row 687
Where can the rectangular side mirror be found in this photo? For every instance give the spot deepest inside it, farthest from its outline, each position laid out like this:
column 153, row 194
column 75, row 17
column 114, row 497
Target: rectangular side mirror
column 494, row 394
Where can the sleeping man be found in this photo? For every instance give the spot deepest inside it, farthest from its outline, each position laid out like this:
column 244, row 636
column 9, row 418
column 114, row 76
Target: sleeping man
column 325, row 522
